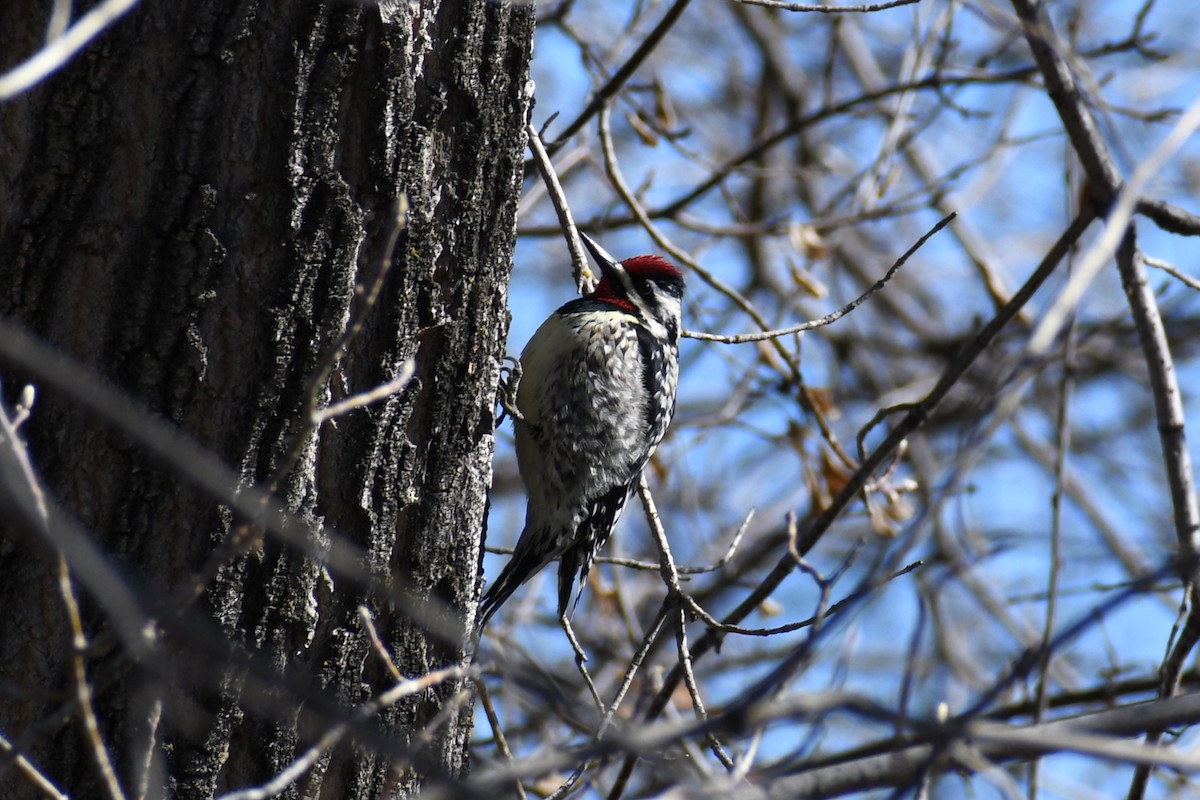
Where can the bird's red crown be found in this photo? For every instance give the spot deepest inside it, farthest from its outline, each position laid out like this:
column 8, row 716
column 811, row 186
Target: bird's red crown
column 637, row 267
column 649, row 266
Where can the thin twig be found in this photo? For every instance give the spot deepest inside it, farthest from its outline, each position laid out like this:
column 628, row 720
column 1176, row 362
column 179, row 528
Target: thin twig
column 368, row 621
column 648, row 566
column 305, row 761
column 635, row 663
column 841, row 605
column 153, row 719
column 62, row 49
column 485, row 698
column 613, row 85
column 806, row 7
column 1187, row 280
column 581, row 661
column 31, row 773
column 22, row 486
column 689, row 680
column 424, row 737
column 579, row 266
column 364, row 399
column 83, row 691
column 60, row 18
column 29, row 509
column 1058, row 502
column 360, row 313
column 836, row 315
column 667, row 570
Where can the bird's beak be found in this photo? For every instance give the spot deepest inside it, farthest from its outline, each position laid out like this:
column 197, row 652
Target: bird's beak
column 609, row 266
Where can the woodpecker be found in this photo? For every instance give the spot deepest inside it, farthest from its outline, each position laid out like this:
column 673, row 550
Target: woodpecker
column 596, row 394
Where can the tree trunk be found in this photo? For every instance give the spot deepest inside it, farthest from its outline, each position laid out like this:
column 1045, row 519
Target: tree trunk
column 187, row 208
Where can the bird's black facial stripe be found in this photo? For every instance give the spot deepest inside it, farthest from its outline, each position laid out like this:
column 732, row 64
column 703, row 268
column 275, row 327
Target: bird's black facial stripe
column 628, row 284
column 652, row 286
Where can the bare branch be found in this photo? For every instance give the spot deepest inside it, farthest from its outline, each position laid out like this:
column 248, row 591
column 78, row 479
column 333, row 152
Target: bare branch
column 784, row 6
column 901, row 764
column 828, row 319
column 610, row 89
column 579, row 265
column 1174, row 272
column 1170, row 218
column 364, row 399
column 63, row 48
column 31, row 773
column 295, row 770
column 83, row 690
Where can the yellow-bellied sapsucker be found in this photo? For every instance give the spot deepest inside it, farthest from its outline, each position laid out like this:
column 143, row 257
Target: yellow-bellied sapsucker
column 596, row 393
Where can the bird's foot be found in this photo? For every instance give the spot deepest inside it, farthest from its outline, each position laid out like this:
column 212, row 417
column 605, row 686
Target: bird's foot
column 506, row 392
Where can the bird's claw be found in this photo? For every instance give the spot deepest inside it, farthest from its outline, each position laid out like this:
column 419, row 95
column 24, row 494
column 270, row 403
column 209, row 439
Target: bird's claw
column 506, row 392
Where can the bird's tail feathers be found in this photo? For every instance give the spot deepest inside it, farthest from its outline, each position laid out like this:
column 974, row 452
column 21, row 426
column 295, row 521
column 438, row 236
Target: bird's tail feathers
column 523, row 565
column 568, row 568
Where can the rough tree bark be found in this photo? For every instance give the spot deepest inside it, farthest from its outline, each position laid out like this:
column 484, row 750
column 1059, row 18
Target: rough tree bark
column 187, row 209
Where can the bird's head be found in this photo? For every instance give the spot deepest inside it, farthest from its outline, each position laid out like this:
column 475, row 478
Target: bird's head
column 648, row 286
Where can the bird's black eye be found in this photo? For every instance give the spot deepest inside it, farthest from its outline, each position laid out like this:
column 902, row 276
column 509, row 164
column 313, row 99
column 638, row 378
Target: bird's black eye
column 654, row 289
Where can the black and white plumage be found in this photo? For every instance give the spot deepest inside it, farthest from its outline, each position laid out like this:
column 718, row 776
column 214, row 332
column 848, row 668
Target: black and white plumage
column 597, row 392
